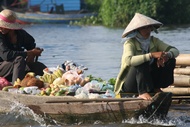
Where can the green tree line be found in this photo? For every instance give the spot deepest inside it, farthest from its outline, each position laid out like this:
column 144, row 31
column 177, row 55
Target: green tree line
column 118, row 13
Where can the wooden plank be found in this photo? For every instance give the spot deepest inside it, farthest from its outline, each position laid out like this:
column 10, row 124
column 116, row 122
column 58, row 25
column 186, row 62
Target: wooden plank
column 178, row 90
column 181, row 80
column 180, row 106
column 152, row 94
column 180, row 97
column 183, row 71
column 183, row 60
column 95, row 100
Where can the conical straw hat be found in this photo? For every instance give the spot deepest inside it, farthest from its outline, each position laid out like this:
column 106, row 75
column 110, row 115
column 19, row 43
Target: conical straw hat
column 8, row 20
column 139, row 21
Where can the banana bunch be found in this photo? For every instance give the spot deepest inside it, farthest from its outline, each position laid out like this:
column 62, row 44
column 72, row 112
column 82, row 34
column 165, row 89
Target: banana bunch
column 49, row 78
column 17, row 82
column 58, row 73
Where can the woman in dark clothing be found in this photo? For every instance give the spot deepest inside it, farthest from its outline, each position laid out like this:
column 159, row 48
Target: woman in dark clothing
column 17, row 49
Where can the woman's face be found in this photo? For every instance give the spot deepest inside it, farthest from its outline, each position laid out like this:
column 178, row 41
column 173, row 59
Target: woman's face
column 145, row 31
column 4, row 30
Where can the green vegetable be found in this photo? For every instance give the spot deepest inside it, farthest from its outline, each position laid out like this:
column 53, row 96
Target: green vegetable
column 6, row 88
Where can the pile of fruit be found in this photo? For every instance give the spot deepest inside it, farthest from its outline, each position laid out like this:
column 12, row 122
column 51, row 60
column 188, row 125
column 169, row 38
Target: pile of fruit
column 53, row 83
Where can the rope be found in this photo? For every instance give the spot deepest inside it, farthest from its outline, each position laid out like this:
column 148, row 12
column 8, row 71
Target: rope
column 158, row 107
column 110, row 109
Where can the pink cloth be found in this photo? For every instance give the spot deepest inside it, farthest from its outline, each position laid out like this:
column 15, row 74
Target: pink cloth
column 4, row 82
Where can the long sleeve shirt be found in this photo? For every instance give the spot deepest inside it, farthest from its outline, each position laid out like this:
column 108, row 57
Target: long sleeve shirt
column 134, row 56
column 9, row 50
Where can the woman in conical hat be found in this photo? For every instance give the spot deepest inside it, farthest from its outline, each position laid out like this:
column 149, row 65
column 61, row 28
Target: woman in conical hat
column 147, row 63
column 17, row 49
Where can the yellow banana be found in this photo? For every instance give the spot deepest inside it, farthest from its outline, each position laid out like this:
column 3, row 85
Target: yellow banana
column 49, row 78
column 46, row 78
column 54, row 76
column 42, row 78
column 56, row 73
column 60, row 72
column 6, row 88
column 31, row 74
column 17, row 82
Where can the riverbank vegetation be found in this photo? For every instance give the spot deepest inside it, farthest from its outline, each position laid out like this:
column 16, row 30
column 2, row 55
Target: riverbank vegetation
column 118, row 13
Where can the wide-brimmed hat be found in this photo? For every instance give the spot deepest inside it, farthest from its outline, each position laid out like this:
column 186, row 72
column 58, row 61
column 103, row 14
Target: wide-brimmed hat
column 8, row 20
column 138, row 21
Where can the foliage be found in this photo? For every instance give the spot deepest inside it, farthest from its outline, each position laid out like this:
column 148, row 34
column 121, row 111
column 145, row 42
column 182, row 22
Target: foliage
column 93, row 20
column 93, row 5
column 174, row 12
column 111, row 81
column 95, row 78
column 118, row 13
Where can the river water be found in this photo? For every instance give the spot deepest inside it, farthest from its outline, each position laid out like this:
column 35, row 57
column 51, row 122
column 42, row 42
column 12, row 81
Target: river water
column 100, row 49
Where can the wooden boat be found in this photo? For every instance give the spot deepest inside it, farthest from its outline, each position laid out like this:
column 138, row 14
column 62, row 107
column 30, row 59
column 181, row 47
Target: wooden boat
column 34, row 14
column 68, row 109
column 38, row 17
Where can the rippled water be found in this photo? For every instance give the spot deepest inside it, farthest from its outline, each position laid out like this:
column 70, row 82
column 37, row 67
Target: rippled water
column 99, row 49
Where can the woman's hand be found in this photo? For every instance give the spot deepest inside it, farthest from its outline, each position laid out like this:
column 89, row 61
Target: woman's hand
column 37, row 51
column 157, row 54
column 30, row 58
column 162, row 57
column 31, row 54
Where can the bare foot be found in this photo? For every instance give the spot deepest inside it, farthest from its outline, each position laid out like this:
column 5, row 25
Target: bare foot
column 145, row 96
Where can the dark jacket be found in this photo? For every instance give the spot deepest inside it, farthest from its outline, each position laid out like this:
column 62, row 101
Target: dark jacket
column 10, row 51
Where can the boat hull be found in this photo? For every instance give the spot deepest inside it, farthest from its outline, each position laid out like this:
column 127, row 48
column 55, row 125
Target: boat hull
column 51, row 18
column 72, row 110
column 90, row 112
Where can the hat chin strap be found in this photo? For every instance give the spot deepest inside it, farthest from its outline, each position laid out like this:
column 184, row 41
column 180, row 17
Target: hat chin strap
column 5, row 19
